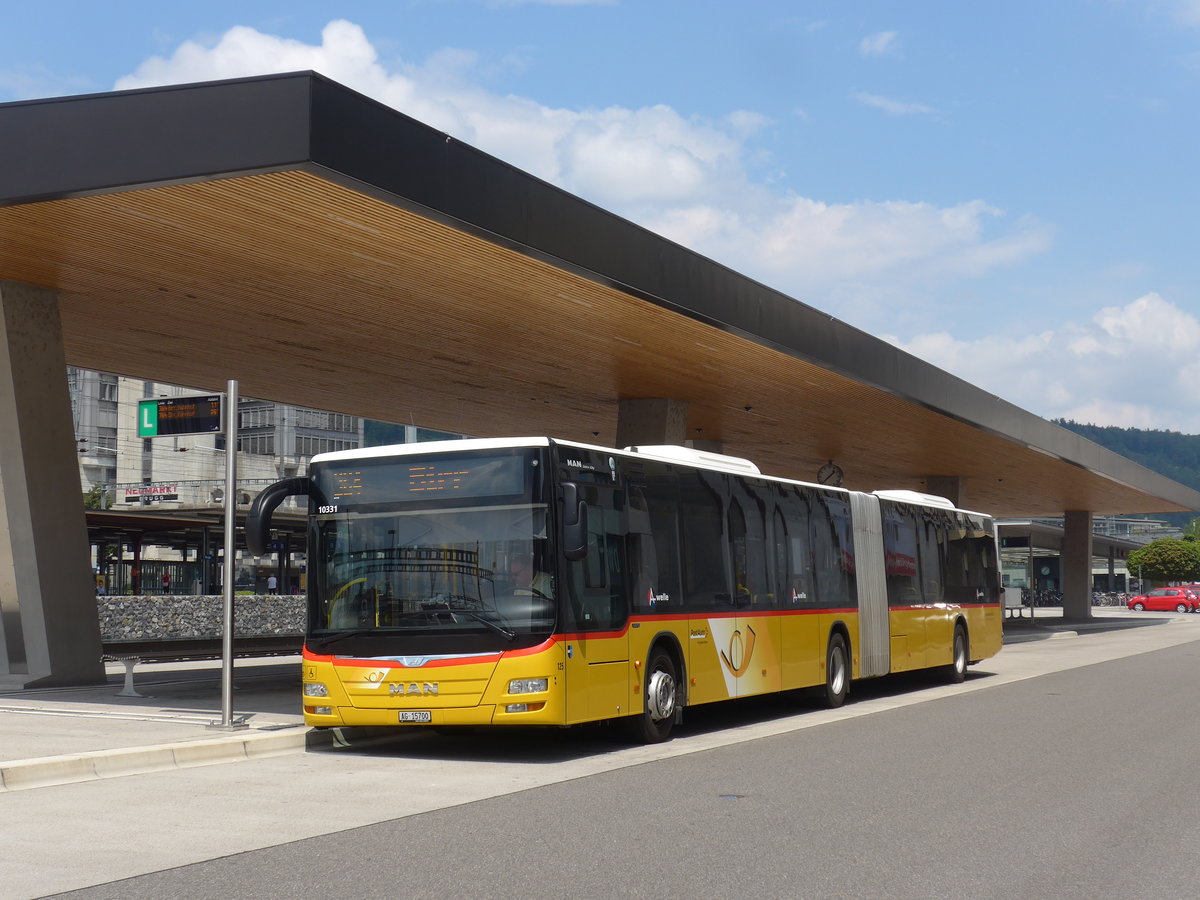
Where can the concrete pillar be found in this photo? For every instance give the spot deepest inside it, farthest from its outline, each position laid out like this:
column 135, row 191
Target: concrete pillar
column 49, row 629
column 652, row 422
column 948, row 486
column 1077, row 564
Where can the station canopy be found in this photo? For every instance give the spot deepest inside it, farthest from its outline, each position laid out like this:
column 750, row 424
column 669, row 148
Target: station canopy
column 330, row 252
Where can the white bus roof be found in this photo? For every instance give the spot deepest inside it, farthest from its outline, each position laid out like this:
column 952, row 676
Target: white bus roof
column 431, row 447
column 668, row 453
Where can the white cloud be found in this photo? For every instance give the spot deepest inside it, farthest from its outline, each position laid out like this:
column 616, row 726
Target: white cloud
column 878, row 264
column 882, row 43
column 867, row 262
column 685, row 177
column 1150, row 321
column 893, row 107
column 1131, row 366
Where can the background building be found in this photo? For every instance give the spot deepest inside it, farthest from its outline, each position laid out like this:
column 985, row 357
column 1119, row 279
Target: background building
column 184, row 477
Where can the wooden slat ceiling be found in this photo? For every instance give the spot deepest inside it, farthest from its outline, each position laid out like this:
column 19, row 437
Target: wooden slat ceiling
column 310, row 293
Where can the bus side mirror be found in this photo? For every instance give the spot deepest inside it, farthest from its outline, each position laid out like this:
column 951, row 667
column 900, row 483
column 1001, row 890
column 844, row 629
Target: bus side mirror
column 258, row 519
column 574, row 523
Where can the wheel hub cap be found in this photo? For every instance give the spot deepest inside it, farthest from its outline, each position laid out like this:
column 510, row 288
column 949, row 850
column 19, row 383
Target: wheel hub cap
column 660, row 696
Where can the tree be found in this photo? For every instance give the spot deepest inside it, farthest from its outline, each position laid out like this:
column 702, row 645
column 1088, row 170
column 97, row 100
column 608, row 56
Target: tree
column 1167, row 559
column 96, row 498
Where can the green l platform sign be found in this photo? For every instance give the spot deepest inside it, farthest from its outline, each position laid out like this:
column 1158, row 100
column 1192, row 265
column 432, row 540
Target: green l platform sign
column 179, row 415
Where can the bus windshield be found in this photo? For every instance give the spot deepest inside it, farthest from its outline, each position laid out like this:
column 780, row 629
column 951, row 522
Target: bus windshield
column 417, row 555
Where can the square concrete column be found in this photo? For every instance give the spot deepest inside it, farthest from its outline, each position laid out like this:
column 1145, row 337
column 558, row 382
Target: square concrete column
column 49, row 628
column 948, row 486
column 1077, row 564
column 652, row 422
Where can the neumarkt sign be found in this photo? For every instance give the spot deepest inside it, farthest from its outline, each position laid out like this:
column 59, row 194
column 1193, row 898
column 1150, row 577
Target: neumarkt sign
column 179, row 415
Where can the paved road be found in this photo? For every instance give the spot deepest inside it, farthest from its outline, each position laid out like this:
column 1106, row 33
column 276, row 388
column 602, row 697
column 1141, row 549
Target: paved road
column 1039, row 776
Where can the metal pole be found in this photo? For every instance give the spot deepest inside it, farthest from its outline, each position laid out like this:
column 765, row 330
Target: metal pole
column 228, row 573
column 1030, row 577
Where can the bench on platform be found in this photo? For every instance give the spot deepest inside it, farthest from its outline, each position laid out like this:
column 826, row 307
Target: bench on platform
column 1014, row 604
column 130, row 653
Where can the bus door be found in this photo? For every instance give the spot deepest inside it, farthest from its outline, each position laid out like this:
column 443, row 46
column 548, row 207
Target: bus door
column 751, row 656
column 913, row 580
column 597, row 651
column 796, row 589
column 712, row 617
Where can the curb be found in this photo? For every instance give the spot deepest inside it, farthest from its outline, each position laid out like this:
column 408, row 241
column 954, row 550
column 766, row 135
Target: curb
column 24, row 774
column 1043, row 636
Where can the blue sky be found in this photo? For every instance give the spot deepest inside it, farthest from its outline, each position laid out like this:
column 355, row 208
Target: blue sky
column 1007, row 190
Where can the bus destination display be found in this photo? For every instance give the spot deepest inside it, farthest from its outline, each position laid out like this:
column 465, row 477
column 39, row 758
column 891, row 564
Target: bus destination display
column 346, row 485
column 425, row 478
column 431, row 478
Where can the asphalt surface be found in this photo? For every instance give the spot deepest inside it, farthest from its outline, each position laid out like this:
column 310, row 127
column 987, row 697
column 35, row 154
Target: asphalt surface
column 1077, row 784
column 163, row 818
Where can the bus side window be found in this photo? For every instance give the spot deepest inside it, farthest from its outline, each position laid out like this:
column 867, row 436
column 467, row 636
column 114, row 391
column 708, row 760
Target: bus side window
column 705, row 565
column 931, row 532
column 793, row 529
column 827, row 553
column 901, row 561
column 843, row 529
column 969, row 555
column 658, row 587
column 748, row 549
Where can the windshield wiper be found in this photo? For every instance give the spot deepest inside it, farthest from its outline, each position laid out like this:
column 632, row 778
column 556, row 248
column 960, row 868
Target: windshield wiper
column 335, row 638
column 499, row 629
column 458, row 610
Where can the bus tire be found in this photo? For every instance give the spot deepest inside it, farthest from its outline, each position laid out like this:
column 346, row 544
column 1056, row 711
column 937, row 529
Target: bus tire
column 837, row 672
column 956, row 672
column 661, row 693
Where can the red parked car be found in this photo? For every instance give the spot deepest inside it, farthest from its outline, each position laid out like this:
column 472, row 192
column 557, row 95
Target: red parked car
column 1180, row 599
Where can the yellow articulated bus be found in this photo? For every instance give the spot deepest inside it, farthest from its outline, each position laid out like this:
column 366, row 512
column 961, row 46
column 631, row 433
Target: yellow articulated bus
column 531, row 581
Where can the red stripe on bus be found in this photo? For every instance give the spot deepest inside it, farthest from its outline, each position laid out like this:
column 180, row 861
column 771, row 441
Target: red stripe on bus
column 393, row 663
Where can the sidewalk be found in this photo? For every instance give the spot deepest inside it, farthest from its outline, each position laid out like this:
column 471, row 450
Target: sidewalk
column 1048, row 623
column 64, row 735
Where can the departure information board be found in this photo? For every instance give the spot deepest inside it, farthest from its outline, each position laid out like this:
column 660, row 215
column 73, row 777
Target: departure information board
column 179, row 415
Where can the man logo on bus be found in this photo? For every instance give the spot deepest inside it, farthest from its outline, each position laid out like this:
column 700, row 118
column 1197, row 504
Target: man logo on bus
column 737, row 660
column 426, row 689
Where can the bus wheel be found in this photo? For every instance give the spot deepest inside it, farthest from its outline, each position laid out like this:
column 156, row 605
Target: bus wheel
column 956, row 672
column 837, row 672
column 662, row 697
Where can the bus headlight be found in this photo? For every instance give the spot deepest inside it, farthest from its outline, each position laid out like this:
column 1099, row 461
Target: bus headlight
column 316, row 690
column 528, row 685
column 524, row 707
